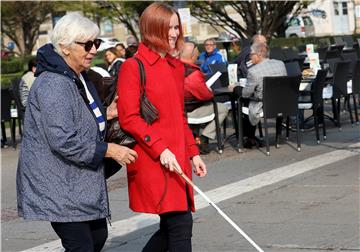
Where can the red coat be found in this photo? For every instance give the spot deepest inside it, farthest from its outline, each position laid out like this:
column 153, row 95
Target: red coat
column 152, row 188
column 195, row 86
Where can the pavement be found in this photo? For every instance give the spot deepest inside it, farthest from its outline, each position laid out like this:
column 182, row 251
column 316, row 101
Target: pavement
column 289, row 201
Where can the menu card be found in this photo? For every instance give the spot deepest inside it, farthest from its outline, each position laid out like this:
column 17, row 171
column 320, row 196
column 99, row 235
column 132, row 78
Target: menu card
column 232, row 72
column 314, row 62
column 309, row 48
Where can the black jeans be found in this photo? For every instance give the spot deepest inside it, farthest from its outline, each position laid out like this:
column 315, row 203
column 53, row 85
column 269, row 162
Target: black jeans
column 87, row 236
column 174, row 234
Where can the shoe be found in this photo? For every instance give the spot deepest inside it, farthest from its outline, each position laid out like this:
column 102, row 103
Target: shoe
column 204, row 145
column 249, row 143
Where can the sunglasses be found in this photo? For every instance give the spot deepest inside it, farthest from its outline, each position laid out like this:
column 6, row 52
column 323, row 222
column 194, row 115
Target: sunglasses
column 89, row 44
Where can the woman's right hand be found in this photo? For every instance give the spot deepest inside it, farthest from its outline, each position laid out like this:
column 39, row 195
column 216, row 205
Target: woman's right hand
column 121, row 154
column 168, row 159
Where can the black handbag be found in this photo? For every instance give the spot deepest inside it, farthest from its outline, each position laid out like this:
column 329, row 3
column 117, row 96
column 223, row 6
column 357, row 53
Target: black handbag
column 148, row 111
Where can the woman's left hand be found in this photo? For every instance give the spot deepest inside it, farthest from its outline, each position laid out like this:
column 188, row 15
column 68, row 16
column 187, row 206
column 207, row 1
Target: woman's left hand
column 199, row 166
column 111, row 111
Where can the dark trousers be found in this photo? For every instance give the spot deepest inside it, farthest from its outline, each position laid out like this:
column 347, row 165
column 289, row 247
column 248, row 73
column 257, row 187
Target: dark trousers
column 87, row 236
column 174, row 234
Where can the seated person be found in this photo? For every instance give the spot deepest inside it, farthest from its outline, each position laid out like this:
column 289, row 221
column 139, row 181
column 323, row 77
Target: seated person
column 26, row 81
column 210, row 56
column 243, row 59
column 120, row 47
column 262, row 67
column 196, row 90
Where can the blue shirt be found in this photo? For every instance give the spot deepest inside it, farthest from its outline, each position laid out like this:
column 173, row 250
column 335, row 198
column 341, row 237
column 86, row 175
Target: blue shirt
column 208, row 59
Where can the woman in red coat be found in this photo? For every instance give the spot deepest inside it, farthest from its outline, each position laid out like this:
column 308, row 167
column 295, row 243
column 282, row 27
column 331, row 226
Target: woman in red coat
column 166, row 145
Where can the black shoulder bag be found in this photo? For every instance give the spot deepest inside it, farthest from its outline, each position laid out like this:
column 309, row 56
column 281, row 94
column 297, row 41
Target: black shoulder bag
column 115, row 134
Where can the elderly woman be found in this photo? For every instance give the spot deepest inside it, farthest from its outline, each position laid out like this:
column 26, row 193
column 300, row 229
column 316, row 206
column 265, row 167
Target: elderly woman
column 60, row 176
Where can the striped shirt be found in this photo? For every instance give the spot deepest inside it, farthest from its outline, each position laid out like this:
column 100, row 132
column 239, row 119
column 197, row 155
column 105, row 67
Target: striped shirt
column 99, row 117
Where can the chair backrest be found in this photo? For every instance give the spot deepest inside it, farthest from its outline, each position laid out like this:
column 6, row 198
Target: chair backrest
column 280, row 96
column 290, row 54
column 322, row 52
column 356, row 78
column 293, row 68
column 351, row 56
column 332, row 63
column 277, row 53
column 5, row 104
column 332, row 54
column 15, row 92
column 222, row 68
column 339, row 41
column 317, row 88
column 349, row 41
column 340, row 79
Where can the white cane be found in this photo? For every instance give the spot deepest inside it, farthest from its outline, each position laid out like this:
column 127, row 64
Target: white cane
column 227, row 218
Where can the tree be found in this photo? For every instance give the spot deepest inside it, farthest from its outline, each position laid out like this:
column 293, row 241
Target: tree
column 265, row 17
column 20, row 21
column 125, row 12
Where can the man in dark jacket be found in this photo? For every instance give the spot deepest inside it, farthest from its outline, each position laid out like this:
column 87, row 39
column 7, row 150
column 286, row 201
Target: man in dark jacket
column 243, row 60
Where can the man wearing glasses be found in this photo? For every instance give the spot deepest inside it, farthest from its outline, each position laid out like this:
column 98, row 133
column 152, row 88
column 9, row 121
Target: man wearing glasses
column 210, row 56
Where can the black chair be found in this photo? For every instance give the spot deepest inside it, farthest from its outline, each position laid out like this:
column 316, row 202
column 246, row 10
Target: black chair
column 290, row 55
column 280, row 98
column 6, row 101
column 293, row 68
column 350, row 55
column 277, row 53
column 332, row 54
column 349, row 41
column 322, row 52
column 339, row 90
column 339, row 41
column 356, row 87
column 316, row 103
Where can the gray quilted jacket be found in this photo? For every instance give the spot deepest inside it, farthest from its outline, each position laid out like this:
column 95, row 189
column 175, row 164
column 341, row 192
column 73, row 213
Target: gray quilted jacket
column 60, row 174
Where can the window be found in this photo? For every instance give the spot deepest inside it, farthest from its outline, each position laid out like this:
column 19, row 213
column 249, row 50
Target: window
column 344, row 8
column 307, row 21
column 294, row 21
column 336, row 8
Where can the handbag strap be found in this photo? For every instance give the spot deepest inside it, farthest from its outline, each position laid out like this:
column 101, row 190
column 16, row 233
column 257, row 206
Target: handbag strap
column 142, row 75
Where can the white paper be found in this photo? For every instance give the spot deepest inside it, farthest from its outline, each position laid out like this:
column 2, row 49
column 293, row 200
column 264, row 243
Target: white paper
column 232, row 71
column 212, row 79
column 314, row 62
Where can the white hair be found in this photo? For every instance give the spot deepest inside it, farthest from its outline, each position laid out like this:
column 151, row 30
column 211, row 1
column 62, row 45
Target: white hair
column 73, row 27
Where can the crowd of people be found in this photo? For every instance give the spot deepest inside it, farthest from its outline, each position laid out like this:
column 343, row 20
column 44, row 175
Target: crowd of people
column 62, row 162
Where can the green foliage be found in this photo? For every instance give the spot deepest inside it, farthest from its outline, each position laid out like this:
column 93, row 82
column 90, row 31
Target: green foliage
column 12, row 66
column 6, row 79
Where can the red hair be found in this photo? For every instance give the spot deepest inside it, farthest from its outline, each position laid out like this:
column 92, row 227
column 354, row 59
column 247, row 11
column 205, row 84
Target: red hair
column 154, row 27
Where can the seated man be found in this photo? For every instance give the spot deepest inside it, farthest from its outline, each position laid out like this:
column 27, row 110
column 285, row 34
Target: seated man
column 263, row 67
column 196, row 90
column 210, row 56
column 243, row 59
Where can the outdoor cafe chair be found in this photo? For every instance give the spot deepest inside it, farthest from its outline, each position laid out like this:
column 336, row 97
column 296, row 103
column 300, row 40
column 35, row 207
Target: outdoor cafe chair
column 280, row 99
column 339, row 90
column 355, row 87
column 316, row 103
